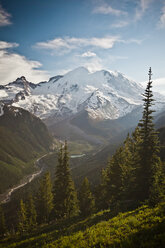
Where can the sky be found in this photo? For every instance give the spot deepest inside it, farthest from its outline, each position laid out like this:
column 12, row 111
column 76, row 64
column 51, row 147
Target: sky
column 40, row 39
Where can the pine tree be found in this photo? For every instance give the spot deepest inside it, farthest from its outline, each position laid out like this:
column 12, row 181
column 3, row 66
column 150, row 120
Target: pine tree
column 113, row 184
column 22, row 218
column 101, row 192
column 58, row 188
column 118, row 179
column 2, row 222
column 134, row 172
column 45, row 198
column 31, row 213
column 65, row 197
column 86, row 199
column 148, row 173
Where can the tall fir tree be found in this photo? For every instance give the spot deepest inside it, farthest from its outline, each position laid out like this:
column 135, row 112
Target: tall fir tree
column 31, row 213
column 86, row 199
column 65, row 196
column 134, row 173
column 118, row 185
column 58, row 188
column 118, row 176
column 148, row 173
column 2, row 222
column 22, row 218
column 45, row 199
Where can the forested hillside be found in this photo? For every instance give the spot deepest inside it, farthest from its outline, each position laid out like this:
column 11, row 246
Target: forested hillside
column 23, row 138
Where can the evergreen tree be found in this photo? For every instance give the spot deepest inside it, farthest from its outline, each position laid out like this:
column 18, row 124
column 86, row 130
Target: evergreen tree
column 86, row 199
column 2, row 222
column 31, row 213
column 118, row 176
column 22, row 218
column 134, row 172
column 101, row 192
column 113, row 177
column 148, row 173
column 118, row 179
column 45, row 198
column 65, row 197
column 58, row 188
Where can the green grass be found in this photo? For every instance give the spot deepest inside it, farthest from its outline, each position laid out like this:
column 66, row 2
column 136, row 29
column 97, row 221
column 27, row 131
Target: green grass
column 141, row 228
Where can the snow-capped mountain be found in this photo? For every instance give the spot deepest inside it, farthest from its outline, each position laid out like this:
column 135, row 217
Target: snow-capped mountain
column 103, row 94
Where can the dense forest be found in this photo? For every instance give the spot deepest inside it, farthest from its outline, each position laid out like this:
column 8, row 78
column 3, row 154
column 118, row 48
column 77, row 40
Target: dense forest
column 125, row 210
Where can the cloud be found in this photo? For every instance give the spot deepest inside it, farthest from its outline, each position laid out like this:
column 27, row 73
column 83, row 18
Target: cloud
column 4, row 17
column 13, row 65
column 162, row 18
column 159, row 85
column 140, row 10
column 88, row 54
column 63, row 46
column 94, row 64
column 107, row 9
column 129, row 41
column 99, row 63
column 5, row 45
column 120, row 24
column 69, row 43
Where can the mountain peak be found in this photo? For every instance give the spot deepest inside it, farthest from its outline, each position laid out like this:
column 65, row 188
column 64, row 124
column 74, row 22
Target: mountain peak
column 78, row 70
column 103, row 94
column 20, row 80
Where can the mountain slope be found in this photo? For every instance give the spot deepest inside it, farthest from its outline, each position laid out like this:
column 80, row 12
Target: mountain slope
column 23, row 138
column 81, row 105
column 103, row 94
column 91, row 165
column 143, row 227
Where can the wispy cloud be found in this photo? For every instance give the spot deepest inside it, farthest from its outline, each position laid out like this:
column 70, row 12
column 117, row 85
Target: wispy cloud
column 66, row 45
column 5, row 45
column 88, row 54
column 142, row 7
column 70, row 43
column 159, row 85
column 106, row 9
column 120, row 24
column 129, row 41
column 4, row 17
column 13, row 65
column 95, row 64
column 162, row 18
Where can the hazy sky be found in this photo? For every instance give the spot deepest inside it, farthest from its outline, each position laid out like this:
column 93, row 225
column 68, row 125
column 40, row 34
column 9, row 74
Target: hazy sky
column 40, row 38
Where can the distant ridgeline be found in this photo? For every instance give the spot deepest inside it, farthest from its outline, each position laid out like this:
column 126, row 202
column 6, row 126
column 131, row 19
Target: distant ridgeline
column 23, row 138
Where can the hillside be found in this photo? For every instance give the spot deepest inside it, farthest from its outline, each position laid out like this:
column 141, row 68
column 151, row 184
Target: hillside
column 143, row 227
column 24, row 137
column 95, row 160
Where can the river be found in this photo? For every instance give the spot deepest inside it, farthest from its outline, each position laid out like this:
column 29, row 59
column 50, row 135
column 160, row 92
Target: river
column 5, row 197
column 77, row 156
